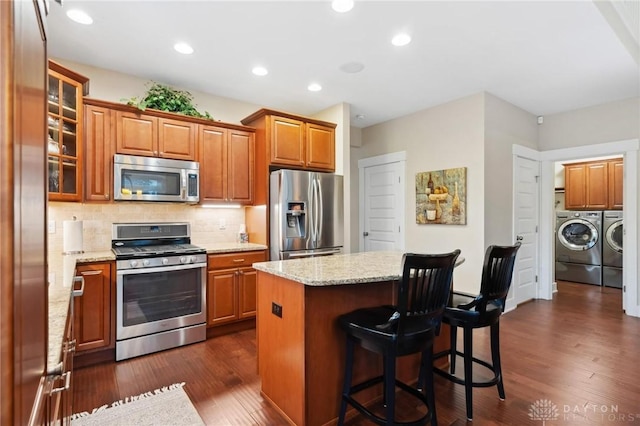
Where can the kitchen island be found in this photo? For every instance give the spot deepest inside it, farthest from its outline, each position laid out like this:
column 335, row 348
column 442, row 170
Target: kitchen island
column 300, row 345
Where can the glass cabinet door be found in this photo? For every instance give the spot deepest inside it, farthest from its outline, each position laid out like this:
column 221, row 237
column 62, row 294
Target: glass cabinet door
column 64, row 145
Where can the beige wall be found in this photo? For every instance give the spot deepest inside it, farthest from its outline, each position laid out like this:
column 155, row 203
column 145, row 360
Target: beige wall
column 446, row 136
column 505, row 125
column 614, row 121
column 118, row 87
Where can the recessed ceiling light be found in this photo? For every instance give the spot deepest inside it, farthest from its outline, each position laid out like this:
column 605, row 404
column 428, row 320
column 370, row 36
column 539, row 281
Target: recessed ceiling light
column 260, row 71
column 183, row 48
column 352, row 67
column 314, row 87
column 79, row 16
column 342, row 6
column 401, row 39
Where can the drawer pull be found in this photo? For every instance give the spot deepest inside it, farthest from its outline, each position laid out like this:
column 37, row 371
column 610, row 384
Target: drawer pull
column 67, row 383
column 80, row 291
column 87, row 273
column 238, row 260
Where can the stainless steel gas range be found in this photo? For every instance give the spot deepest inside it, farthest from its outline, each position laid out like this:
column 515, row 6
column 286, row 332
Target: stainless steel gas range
column 160, row 288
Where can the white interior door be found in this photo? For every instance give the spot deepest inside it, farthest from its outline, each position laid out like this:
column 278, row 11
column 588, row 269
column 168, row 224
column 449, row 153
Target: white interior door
column 527, row 200
column 382, row 206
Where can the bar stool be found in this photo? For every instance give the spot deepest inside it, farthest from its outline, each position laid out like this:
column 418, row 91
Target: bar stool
column 484, row 310
column 394, row 331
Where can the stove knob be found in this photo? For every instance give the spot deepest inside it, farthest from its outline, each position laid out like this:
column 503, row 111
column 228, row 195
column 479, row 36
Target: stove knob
column 184, row 259
column 134, row 263
column 165, row 261
column 194, row 259
column 146, row 262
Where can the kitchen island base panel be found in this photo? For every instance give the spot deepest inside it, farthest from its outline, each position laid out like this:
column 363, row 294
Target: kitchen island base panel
column 301, row 355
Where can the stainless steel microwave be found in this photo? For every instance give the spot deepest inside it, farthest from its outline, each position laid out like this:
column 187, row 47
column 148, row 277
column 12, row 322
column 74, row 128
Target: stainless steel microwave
column 155, row 179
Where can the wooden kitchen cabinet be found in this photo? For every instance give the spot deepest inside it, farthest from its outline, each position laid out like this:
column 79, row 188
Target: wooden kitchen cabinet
column 287, row 141
column 321, row 147
column 231, row 287
column 99, row 139
column 154, row 136
column 94, row 309
column 293, row 141
column 66, row 89
column 226, row 158
column 593, row 185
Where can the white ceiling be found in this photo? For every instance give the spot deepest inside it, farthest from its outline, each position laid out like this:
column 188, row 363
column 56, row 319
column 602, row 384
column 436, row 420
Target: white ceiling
column 543, row 56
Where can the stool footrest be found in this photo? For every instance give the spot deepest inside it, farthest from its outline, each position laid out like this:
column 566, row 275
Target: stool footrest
column 381, row 420
column 485, row 384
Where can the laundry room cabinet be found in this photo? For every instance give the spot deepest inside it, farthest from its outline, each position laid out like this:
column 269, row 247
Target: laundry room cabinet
column 593, row 185
column 616, row 177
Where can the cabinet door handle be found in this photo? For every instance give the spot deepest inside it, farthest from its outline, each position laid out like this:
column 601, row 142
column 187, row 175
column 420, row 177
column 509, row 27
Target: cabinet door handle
column 67, row 383
column 106, row 196
column 238, row 260
column 87, row 273
column 79, row 292
column 71, row 346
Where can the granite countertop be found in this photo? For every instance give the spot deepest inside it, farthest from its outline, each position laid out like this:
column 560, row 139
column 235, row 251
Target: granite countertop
column 340, row 269
column 60, row 294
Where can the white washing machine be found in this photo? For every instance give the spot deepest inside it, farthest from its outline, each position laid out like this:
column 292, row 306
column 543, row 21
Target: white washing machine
column 612, row 248
column 579, row 246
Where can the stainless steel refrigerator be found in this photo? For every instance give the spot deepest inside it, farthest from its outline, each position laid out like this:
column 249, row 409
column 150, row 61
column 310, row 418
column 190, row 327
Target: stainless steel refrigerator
column 307, row 214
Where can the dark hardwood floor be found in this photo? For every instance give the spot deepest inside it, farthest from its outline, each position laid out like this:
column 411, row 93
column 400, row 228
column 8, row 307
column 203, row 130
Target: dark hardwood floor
column 578, row 354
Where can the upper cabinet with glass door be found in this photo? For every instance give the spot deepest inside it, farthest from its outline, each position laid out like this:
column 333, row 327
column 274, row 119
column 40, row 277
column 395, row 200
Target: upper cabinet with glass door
column 64, row 147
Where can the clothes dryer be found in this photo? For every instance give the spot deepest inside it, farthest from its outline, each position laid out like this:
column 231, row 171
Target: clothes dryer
column 612, row 229
column 579, row 246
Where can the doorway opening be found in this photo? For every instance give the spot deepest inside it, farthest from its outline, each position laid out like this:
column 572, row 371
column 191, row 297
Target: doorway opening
column 629, row 151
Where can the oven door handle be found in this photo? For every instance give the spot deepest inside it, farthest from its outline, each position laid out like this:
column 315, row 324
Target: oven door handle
column 181, row 267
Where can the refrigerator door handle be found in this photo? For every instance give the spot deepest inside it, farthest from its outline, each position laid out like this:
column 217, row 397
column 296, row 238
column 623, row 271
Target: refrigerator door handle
column 319, row 217
column 313, row 210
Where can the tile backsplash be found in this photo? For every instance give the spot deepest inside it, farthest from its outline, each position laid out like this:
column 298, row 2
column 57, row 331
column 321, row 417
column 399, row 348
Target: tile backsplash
column 97, row 219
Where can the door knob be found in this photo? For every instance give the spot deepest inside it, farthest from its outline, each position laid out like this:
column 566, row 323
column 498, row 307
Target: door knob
column 365, row 234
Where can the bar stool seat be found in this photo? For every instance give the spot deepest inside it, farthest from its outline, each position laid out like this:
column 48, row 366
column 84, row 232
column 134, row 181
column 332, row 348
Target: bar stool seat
column 484, row 310
column 394, row 331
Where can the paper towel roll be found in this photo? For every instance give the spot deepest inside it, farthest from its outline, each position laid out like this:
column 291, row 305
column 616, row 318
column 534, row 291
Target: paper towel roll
column 71, row 236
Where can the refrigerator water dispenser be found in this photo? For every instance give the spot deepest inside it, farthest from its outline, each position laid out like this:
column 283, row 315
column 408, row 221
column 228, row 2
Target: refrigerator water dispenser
column 295, row 221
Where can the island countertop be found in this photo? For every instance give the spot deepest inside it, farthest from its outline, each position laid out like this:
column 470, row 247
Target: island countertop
column 339, row 269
